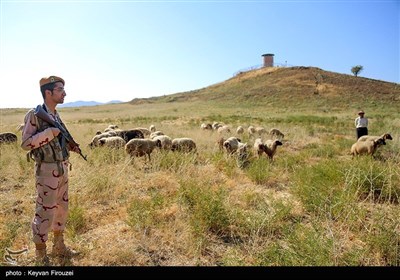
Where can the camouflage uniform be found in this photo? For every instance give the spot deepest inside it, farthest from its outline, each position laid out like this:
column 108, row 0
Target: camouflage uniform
column 51, row 170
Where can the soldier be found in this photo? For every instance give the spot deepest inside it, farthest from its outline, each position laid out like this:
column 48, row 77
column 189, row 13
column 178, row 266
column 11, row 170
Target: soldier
column 51, row 152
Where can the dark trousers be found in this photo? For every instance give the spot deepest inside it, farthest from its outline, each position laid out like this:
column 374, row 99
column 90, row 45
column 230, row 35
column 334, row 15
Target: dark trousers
column 361, row 131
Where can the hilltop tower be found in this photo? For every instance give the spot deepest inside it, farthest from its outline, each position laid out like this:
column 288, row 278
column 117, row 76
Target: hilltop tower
column 268, row 60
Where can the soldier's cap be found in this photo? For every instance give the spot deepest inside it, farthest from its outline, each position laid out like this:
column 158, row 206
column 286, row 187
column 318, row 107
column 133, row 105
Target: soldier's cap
column 50, row 79
column 361, row 113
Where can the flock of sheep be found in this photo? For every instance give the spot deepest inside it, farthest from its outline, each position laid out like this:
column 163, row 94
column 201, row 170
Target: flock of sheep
column 141, row 141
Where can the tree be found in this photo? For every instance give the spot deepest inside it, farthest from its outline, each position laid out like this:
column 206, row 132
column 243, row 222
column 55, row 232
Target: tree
column 356, row 69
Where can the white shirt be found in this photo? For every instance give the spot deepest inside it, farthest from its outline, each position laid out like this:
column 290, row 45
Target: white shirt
column 361, row 122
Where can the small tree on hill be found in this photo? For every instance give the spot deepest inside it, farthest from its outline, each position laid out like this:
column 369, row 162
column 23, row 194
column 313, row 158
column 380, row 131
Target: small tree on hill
column 356, row 69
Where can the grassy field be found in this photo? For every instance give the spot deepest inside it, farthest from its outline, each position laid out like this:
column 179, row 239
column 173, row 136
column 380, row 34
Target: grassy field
column 312, row 206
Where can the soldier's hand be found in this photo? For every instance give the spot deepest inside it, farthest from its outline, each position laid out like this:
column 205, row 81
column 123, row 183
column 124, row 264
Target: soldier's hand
column 76, row 149
column 55, row 131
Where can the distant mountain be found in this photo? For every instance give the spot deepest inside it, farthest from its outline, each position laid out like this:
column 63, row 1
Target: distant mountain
column 81, row 103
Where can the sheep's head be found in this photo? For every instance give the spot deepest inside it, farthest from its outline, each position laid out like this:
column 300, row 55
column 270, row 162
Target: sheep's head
column 227, row 145
column 102, row 142
column 158, row 143
column 387, row 136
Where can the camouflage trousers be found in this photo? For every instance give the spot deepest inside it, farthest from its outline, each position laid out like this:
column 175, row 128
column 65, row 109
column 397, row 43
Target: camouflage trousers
column 52, row 199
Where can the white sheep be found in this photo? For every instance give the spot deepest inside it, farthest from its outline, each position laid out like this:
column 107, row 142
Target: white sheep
column 165, row 142
column 224, row 129
column 138, row 147
column 152, row 128
column 97, row 137
column 260, row 131
column 183, row 144
column 276, row 134
column 231, row 144
column 240, row 130
column 216, row 125
column 112, row 142
column 206, row 126
column 366, row 147
column 385, row 137
column 251, row 130
column 156, row 133
column 111, row 127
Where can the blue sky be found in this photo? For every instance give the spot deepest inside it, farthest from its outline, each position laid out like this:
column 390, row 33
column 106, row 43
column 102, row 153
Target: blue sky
column 120, row 50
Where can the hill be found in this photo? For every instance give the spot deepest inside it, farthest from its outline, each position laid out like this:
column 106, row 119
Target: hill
column 292, row 86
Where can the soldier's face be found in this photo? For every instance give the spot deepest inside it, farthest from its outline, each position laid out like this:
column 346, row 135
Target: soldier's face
column 58, row 93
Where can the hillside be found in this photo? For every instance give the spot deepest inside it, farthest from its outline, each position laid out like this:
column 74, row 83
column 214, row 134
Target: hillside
column 291, row 86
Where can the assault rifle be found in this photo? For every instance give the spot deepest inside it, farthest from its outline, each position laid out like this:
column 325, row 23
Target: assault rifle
column 42, row 114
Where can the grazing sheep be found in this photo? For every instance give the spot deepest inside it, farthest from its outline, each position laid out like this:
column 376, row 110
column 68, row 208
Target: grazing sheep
column 165, row 142
column 8, row 137
column 260, row 131
column 231, row 144
column 276, row 134
column 251, row 130
column 206, row 126
column 152, row 128
column 366, row 147
column 240, row 130
column 216, row 125
column 223, row 129
column 138, row 147
column 156, row 133
column 385, row 137
column 97, row 137
column 270, row 147
column 112, row 142
column 183, row 145
column 111, row 127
